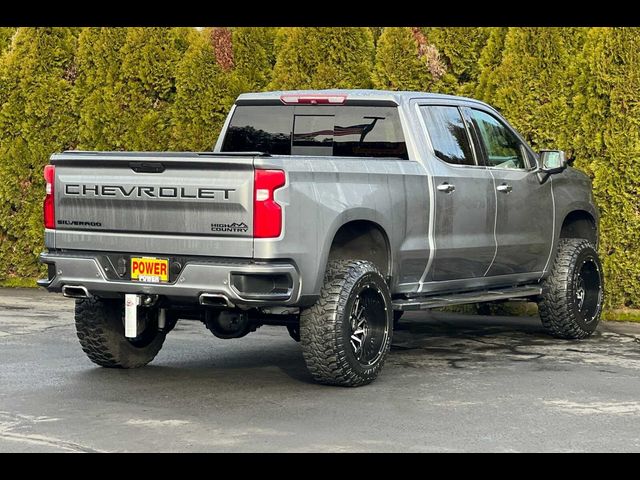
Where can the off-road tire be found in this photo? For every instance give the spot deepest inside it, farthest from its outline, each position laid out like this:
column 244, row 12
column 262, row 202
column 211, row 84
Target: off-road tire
column 100, row 329
column 325, row 328
column 558, row 304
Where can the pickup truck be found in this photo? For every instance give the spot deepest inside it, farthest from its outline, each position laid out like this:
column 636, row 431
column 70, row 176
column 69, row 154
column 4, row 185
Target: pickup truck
column 329, row 212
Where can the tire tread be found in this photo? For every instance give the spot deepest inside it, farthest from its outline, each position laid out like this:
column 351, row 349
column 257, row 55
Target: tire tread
column 102, row 343
column 554, row 305
column 320, row 327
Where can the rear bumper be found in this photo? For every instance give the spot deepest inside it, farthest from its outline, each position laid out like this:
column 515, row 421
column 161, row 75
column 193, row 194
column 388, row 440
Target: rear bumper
column 195, row 279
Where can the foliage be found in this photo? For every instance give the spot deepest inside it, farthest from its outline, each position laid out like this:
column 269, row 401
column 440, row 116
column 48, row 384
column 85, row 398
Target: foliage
column 38, row 116
column 323, row 57
column 490, row 59
column 532, row 88
column 406, row 61
column 146, row 84
column 98, row 89
column 202, row 97
column 460, row 49
column 254, row 54
column 607, row 146
column 6, row 33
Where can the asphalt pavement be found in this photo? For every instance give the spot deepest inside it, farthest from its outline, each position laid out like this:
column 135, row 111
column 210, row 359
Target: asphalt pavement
column 451, row 383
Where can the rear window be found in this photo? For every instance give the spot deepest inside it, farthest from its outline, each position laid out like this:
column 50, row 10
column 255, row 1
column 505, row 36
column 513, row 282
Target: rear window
column 345, row 131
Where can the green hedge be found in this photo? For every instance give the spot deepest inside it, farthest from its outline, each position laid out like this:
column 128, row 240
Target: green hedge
column 323, row 57
column 170, row 89
column 38, row 116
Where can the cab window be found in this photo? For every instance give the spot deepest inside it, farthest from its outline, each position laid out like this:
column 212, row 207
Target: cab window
column 448, row 134
column 503, row 148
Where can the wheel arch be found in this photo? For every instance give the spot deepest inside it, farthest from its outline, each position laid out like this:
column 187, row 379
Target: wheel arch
column 362, row 240
column 357, row 236
column 579, row 223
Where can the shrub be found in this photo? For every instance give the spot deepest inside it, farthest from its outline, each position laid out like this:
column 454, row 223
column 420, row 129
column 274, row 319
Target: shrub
column 406, row 61
column 607, row 146
column 490, row 59
column 38, row 116
column 532, row 87
column 460, row 49
column 98, row 90
column 323, row 57
column 202, row 97
column 254, row 55
column 146, row 85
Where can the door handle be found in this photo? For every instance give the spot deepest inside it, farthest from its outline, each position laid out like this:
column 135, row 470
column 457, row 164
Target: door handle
column 504, row 188
column 446, row 187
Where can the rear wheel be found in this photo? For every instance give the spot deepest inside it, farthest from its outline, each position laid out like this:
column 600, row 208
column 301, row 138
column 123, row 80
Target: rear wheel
column 572, row 295
column 100, row 329
column 346, row 335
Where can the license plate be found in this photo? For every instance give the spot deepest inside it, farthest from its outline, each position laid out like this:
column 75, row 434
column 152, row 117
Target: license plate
column 148, row 269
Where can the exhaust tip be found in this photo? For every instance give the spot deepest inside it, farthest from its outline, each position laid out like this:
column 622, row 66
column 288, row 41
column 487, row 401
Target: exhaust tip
column 215, row 300
column 75, row 291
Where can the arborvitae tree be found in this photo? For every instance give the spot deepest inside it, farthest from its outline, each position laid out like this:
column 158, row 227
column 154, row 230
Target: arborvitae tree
column 5, row 37
column 533, row 89
column 254, row 56
column 460, row 49
column 203, row 96
column 146, row 85
column 98, row 90
column 376, row 31
column 489, row 60
column 37, row 118
column 608, row 147
column 323, row 57
column 406, row 61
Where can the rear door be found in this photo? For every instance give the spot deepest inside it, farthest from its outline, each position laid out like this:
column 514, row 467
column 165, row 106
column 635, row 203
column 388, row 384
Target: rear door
column 464, row 198
column 524, row 222
column 194, row 204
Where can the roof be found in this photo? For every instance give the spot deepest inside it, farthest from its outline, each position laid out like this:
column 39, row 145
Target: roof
column 397, row 97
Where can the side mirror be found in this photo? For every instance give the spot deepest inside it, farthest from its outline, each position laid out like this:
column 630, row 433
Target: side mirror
column 552, row 161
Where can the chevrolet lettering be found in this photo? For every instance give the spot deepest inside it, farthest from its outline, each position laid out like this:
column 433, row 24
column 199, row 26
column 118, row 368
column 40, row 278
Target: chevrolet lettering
column 202, row 193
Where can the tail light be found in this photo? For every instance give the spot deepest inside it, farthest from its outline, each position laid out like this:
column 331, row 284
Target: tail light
column 49, row 207
column 267, row 213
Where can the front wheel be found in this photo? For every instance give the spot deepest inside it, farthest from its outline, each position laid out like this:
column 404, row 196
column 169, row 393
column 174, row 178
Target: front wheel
column 346, row 335
column 572, row 294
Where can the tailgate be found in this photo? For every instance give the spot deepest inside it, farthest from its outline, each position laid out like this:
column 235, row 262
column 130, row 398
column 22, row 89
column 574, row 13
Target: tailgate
column 198, row 204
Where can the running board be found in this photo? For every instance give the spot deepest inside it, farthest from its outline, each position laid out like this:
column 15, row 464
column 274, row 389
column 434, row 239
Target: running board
column 423, row 303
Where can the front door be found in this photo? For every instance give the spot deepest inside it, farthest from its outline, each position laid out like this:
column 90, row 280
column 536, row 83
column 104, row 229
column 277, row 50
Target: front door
column 524, row 222
column 464, row 199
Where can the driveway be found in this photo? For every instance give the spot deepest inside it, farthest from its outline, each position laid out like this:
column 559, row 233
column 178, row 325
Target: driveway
column 451, row 383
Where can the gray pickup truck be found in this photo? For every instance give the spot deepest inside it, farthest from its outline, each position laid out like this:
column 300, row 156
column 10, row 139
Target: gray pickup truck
column 328, row 212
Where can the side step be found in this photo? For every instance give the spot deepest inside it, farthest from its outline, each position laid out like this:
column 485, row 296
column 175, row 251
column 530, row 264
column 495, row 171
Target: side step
column 423, row 303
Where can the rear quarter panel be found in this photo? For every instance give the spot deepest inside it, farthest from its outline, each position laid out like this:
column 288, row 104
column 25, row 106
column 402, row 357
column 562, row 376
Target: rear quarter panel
column 324, row 193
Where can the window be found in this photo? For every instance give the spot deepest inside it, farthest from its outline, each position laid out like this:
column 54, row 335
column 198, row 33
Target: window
column 369, row 132
column 504, row 149
column 347, row 131
column 448, row 134
column 312, row 135
column 260, row 129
